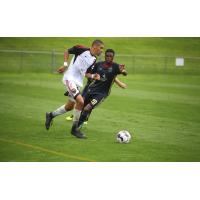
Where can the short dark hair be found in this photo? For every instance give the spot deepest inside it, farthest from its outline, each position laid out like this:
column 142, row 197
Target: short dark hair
column 110, row 51
column 97, row 42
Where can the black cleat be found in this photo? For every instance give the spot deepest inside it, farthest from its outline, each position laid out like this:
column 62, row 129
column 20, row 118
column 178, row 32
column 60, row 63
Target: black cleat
column 77, row 133
column 66, row 93
column 49, row 120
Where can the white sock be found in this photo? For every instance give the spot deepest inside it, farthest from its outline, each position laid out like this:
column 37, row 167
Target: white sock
column 76, row 115
column 61, row 110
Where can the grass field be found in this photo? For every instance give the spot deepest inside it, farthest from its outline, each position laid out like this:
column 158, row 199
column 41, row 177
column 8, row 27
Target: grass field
column 160, row 111
column 168, row 46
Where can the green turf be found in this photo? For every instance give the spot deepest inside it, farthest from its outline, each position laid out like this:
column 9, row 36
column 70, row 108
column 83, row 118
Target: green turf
column 160, row 111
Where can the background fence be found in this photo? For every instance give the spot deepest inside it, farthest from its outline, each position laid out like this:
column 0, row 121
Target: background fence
column 48, row 61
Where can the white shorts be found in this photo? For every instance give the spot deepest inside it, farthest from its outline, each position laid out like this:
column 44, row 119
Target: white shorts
column 72, row 88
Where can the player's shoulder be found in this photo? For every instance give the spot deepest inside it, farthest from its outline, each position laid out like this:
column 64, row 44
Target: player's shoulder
column 78, row 49
column 99, row 63
column 115, row 64
column 80, row 46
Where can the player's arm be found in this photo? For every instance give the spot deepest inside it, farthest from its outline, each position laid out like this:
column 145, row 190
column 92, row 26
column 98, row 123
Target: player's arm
column 120, row 84
column 62, row 68
column 76, row 50
column 66, row 57
column 94, row 76
column 91, row 72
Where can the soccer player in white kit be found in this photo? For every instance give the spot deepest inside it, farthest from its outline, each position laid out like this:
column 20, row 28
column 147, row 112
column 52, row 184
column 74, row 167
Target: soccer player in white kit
column 83, row 59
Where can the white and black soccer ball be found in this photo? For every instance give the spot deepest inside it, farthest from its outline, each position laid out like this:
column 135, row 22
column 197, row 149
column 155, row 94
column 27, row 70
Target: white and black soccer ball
column 123, row 136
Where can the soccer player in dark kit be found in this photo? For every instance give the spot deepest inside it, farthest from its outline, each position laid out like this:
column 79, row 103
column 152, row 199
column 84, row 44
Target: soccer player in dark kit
column 98, row 90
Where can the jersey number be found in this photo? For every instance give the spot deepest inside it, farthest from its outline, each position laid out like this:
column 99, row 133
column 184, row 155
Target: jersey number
column 93, row 102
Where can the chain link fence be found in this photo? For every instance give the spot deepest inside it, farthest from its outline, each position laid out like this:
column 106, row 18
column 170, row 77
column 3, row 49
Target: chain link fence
column 49, row 61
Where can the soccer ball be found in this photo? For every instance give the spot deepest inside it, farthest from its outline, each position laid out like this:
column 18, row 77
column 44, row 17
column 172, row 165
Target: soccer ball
column 123, row 136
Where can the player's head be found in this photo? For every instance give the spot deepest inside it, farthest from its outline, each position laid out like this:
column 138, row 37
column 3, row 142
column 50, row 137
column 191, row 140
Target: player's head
column 109, row 55
column 97, row 47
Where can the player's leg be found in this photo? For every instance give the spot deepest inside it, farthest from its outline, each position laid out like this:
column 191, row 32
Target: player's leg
column 93, row 103
column 83, row 93
column 59, row 111
column 63, row 109
column 74, row 93
column 76, row 115
column 85, row 111
column 85, row 115
column 70, row 118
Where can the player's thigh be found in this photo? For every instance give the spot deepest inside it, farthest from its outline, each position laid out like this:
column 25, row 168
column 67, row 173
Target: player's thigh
column 96, row 100
column 86, row 99
column 79, row 102
column 70, row 105
column 72, row 88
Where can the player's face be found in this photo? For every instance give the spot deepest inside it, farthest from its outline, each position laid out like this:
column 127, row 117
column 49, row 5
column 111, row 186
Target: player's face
column 109, row 56
column 98, row 49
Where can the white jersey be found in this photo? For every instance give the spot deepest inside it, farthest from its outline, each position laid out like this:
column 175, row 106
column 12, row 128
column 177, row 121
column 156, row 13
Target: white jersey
column 79, row 64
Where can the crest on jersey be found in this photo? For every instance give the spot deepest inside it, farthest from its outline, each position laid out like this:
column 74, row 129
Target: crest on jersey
column 110, row 69
column 103, row 77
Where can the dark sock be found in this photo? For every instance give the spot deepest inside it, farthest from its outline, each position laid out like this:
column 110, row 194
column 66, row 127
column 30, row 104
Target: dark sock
column 87, row 117
column 83, row 117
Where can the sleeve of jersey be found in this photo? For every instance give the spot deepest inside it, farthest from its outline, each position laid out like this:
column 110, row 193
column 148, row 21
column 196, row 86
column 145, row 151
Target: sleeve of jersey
column 77, row 50
column 117, row 69
column 83, row 72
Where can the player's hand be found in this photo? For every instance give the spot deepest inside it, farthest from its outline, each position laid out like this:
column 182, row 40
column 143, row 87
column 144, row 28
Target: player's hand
column 122, row 69
column 123, row 85
column 124, row 72
column 96, row 77
column 61, row 69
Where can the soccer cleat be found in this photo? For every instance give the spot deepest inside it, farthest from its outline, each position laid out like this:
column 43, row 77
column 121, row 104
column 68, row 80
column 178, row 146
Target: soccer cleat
column 66, row 93
column 69, row 118
column 49, row 120
column 77, row 133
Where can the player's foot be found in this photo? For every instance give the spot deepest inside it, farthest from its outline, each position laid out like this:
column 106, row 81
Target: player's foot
column 66, row 93
column 77, row 133
column 69, row 118
column 85, row 123
column 49, row 120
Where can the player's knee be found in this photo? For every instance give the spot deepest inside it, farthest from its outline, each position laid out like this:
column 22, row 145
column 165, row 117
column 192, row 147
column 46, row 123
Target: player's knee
column 69, row 106
column 79, row 101
column 88, row 108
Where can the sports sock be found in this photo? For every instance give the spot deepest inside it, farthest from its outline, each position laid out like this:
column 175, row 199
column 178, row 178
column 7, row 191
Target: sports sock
column 76, row 115
column 61, row 110
column 84, row 117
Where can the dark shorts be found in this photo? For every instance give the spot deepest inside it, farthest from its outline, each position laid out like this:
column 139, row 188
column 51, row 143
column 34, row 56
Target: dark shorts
column 94, row 99
column 84, row 92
